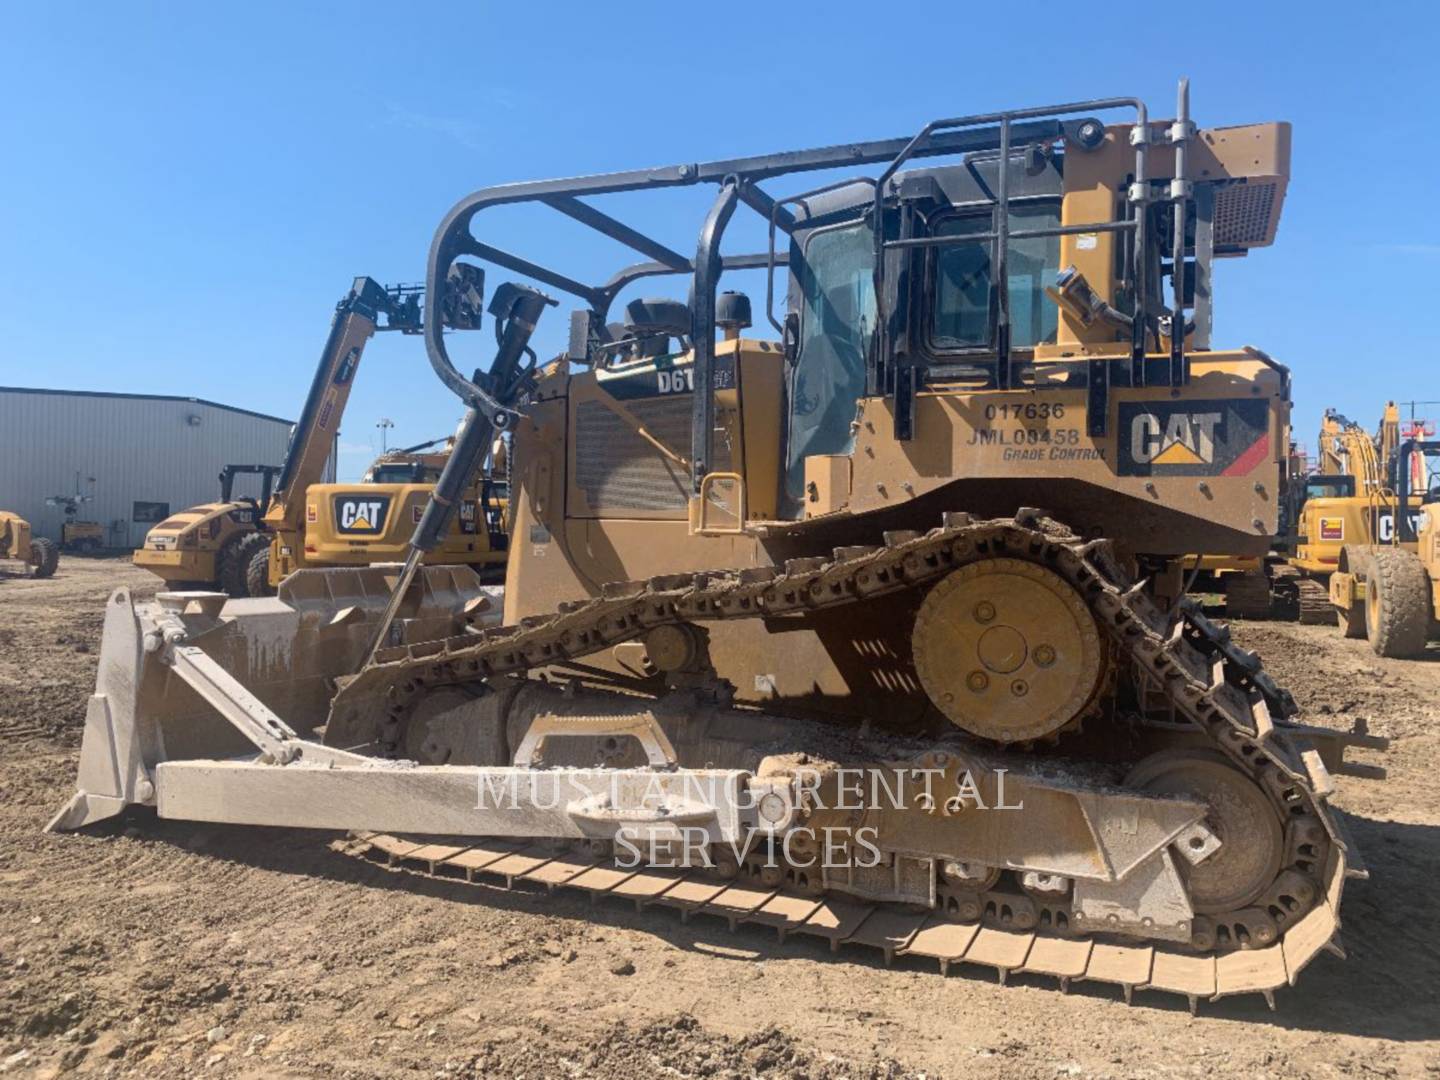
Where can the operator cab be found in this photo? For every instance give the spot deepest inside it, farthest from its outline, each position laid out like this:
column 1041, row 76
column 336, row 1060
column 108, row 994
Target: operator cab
column 1329, row 487
column 400, row 472
column 944, row 299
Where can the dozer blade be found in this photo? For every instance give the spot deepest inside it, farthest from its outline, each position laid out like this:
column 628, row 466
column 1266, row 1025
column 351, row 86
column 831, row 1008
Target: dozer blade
column 197, row 675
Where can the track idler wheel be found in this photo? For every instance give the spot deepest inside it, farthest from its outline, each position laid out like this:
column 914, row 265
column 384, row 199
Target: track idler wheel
column 1008, row 650
column 1241, row 815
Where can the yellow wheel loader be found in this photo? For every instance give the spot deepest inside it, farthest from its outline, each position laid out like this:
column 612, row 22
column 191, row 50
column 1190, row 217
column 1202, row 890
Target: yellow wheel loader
column 39, row 555
column 1347, row 504
column 211, row 546
column 1358, row 512
column 1388, row 591
column 785, row 638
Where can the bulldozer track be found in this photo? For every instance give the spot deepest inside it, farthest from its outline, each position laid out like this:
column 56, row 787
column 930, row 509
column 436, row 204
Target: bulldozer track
column 1187, row 662
column 844, row 920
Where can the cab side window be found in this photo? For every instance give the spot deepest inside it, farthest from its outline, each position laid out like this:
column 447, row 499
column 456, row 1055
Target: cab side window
column 962, row 304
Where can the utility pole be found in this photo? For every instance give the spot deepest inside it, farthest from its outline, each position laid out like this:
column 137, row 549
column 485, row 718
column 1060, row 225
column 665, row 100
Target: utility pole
column 384, row 425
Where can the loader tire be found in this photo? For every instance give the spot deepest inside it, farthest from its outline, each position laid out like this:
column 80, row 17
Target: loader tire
column 44, row 557
column 1397, row 603
column 257, row 574
column 233, row 564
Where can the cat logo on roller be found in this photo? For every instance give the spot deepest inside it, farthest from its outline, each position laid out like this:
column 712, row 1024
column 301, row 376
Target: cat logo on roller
column 361, row 514
column 1193, row 438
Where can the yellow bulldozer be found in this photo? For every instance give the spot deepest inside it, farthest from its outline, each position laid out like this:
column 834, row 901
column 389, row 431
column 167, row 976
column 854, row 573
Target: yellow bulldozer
column 39, row 554
column 786, row 638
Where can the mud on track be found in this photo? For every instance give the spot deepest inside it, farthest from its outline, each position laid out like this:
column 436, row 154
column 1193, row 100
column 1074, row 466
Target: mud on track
column 168, row 949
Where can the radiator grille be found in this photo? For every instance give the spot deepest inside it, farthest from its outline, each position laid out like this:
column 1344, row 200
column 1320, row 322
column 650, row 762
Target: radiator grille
column 618, row 470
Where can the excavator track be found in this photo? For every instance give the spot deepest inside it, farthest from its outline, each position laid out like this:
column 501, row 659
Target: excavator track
column 1314, row 603
column 1248, row 596
column 1191, row 670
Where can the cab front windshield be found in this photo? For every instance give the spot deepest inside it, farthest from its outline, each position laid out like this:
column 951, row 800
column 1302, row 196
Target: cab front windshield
column 402, row 473
column 837, row 293
column 1329, row 487
column 835, row 278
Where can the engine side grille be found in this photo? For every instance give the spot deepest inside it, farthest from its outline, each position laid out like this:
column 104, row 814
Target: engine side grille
column 620, row 471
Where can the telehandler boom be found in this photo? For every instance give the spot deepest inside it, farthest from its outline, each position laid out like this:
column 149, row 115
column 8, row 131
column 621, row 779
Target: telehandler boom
column 245, row 547
column 314, row 524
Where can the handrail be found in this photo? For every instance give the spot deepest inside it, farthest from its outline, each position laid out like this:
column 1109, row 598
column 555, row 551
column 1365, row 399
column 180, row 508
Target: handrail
column 976, row 133
column 1404, row 529
column 453, row 238
column 1001, row 233
column 702, row 524
column 702, row 328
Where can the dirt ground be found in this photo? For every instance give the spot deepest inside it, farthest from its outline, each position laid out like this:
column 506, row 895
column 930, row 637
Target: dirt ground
column 167, row 949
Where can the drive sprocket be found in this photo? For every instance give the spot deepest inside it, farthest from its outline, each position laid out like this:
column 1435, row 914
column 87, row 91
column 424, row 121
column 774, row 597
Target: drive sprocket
column 1008, row 650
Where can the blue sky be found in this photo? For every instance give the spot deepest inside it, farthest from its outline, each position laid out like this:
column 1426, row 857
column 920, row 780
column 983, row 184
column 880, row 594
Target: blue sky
column 188, row 190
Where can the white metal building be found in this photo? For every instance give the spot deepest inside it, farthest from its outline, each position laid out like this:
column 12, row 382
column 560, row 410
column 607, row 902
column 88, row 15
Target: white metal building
column 140, row 456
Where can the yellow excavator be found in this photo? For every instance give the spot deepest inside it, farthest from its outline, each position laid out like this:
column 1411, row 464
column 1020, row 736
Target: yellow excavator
column 788, row 639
